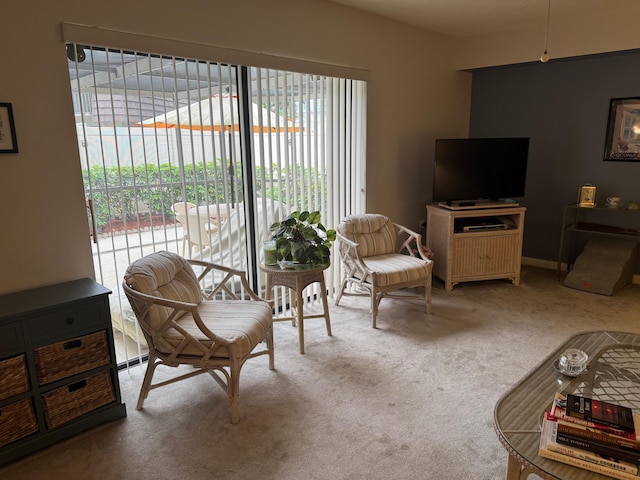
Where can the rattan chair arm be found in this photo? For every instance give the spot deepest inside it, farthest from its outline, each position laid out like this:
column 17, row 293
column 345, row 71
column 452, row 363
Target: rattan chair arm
column 177, row 305
column 208, row 266
column 205, row 330
column 346, row 241
column 186, row 306
column 350, row 255
column 231, row 273
column 412, row 245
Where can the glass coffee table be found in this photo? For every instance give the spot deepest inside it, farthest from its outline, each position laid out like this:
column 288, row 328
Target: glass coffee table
column 613, row 375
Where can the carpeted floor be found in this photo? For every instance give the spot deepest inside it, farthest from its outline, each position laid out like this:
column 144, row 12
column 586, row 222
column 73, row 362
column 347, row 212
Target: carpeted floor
column 412, row 399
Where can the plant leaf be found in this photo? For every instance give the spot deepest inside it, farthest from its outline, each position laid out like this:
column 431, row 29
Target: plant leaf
column 314, row 217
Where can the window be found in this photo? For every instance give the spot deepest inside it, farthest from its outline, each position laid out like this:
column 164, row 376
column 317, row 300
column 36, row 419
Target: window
column 199, row 157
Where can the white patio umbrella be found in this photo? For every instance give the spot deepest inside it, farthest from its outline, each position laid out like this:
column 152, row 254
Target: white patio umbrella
column 220, row 113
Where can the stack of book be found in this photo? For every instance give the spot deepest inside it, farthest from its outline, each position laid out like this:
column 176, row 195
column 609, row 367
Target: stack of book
column 594, row 435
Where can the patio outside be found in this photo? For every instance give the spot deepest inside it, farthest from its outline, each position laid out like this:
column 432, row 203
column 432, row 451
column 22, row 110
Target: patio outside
column 112, row 255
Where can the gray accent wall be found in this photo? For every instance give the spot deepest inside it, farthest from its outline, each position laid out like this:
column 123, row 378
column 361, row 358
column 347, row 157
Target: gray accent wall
column 563, row 107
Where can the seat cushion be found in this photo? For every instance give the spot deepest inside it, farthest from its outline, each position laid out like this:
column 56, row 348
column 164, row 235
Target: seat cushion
column 374, row 233
column 394, row 269
column 242, row 322
column 166, row 275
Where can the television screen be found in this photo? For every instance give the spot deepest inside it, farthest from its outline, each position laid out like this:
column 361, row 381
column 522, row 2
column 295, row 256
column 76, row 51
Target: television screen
column 468, row 169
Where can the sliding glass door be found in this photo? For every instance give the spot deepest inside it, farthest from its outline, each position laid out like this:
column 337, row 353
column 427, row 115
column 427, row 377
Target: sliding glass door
column 200, row 158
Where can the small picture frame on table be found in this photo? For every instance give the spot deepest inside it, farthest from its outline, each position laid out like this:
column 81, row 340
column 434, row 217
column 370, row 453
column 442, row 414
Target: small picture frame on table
column 8, row 140
column 587, row 196
column 622, row 143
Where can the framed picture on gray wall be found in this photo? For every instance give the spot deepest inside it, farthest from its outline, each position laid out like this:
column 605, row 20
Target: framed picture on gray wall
column 623, row 130
column 8, row 142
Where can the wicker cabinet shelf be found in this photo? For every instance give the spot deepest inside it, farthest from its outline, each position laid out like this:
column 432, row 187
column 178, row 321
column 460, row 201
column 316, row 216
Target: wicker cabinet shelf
column 58, row 374
column 475, row 244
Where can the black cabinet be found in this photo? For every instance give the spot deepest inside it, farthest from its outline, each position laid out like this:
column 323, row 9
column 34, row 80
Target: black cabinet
column 58, row 371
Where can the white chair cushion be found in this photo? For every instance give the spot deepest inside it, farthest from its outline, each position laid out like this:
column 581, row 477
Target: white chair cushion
column 394, row 269
column 242, row 322
column 374, row 233
column 167, row 275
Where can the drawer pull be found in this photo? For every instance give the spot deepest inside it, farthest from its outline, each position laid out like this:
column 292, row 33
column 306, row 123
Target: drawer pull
column 77, row 386
column 72, row 344
column 70, row 321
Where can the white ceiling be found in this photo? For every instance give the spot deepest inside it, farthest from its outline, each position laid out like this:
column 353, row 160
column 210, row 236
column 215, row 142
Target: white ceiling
column 465, row 18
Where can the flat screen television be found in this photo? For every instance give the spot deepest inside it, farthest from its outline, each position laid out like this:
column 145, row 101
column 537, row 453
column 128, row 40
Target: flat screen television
column 468, row 170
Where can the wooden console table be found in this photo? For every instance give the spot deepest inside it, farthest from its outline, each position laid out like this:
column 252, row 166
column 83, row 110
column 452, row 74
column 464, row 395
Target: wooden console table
column 297, row 279
column 600, row 221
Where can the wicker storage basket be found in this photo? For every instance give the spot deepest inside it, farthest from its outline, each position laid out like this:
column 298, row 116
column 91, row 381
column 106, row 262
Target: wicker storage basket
column 13, row 377
column 17, row 420
column 71, row 401
column 63, row 359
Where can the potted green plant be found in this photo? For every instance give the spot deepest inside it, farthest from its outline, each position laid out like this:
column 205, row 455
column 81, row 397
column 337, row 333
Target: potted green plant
column 301, row 238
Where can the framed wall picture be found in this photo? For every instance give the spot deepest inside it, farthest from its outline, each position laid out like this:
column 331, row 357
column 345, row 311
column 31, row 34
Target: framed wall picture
column 623, row 130
column 8, row 141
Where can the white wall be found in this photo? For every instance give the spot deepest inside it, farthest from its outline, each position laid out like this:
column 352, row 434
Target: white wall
column 601, row 26
column 415, row 94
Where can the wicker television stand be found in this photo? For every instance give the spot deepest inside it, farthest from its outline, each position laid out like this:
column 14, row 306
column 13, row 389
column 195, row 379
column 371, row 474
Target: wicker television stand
column 475, row 242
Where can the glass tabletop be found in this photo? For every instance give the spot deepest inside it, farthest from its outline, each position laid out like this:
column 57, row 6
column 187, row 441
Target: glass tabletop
column 613, row 374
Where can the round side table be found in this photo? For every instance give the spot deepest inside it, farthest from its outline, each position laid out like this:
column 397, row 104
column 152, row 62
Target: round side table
column 296, row 279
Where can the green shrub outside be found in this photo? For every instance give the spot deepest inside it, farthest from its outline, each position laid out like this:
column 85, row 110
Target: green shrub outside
column 129, row 192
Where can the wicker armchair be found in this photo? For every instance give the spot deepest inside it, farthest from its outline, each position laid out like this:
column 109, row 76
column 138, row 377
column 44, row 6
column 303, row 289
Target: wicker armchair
column 214, row 332
column 381, row 257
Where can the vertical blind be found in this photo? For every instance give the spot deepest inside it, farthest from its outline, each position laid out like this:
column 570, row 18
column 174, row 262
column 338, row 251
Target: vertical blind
column 200, row 158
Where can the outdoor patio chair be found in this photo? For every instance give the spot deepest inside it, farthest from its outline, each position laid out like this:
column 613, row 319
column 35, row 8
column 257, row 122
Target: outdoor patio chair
column 380, row 257
column 214, row 332
column 180, row 210
column 197, row 229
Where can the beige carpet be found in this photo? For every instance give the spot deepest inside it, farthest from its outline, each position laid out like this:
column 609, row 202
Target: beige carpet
column 411, row 400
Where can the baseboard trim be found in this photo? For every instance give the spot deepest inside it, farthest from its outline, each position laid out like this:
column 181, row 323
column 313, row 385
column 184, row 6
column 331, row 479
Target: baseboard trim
column 551, row 265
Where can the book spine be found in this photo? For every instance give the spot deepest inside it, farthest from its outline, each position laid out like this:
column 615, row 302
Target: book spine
column 548, row 441
column 592, row 467
column 596, row 411
column 590, row 458
column 599, row 448
column 600, row 436
column 558, row 413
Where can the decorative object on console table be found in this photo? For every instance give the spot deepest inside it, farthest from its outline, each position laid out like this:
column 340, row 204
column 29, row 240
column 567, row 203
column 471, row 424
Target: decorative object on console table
column 587, row 196
column 622, row 142
column 8, row 139
column 614, row 202
column 58, row 373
